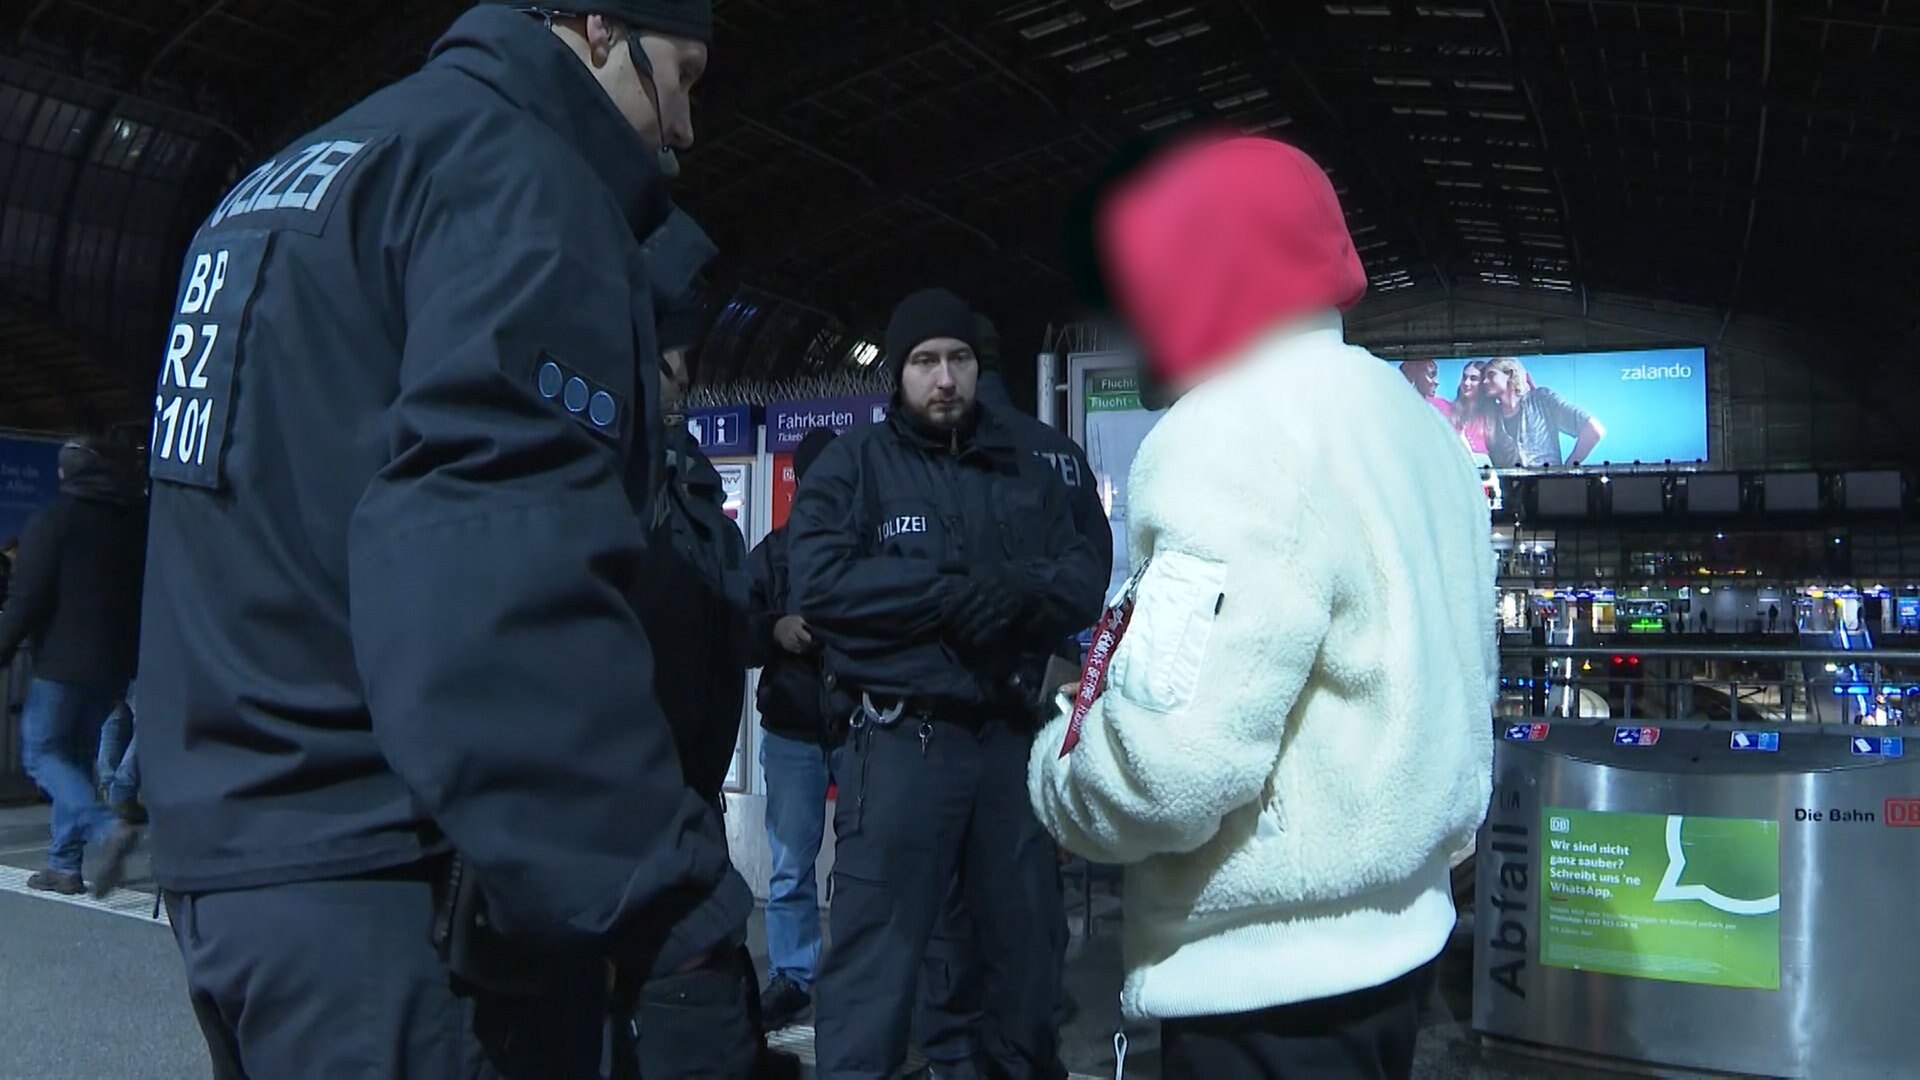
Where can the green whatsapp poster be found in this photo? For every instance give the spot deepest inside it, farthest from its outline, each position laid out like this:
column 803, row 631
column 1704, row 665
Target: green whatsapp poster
column 1662, row 896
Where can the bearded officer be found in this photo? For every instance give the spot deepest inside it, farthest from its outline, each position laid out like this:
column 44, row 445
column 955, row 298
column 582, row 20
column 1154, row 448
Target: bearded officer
column 949, row 1012
column 936, row 560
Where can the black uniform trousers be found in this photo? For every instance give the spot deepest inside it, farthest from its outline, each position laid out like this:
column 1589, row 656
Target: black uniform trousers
column 949, row 1010
column 1365, row 1035
column 340, row 978
column 920, row 801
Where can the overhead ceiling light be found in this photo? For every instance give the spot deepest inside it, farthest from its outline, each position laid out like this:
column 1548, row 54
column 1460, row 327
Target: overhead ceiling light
column 1248, row 98
column 1191, row 30
column 1088, row 63
column 1040, row 30
column 1166, row 121
column 1269, row 125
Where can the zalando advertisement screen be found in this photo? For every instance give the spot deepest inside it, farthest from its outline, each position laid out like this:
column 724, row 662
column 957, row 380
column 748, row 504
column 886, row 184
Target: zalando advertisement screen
column 1533, row 411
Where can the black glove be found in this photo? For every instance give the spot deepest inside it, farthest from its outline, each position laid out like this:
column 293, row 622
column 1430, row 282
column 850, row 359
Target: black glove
column 983, row 610
column 1040, row 626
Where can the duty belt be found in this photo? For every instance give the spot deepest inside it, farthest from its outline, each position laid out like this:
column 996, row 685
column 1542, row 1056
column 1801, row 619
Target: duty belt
column 974, row 717
column 874, row 715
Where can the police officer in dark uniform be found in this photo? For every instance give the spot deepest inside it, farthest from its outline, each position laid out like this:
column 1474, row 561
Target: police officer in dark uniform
column 412, row 794
column 694, row 612
column 1047, row 443
column 936, row 565
column 950, row 1009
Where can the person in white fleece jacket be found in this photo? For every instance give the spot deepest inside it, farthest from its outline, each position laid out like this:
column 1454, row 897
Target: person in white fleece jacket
column 1295, row 731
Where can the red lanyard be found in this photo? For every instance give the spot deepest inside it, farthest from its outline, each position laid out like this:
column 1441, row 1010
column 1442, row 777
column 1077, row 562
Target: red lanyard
column 1093, row 675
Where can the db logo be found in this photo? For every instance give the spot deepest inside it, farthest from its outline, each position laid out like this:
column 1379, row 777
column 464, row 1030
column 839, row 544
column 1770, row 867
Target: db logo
column 1903, row 812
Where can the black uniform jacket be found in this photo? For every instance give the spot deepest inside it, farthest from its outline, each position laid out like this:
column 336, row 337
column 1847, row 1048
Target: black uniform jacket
column 696, row 616
column 402, row 472
column 892, row 519
column 1065, row 457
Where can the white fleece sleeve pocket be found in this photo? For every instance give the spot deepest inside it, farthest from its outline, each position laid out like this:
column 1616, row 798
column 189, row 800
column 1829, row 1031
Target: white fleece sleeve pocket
column 1157, row 665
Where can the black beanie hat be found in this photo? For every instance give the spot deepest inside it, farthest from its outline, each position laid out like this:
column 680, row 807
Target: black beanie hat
column 675, row 18
column 928, row 314
column 810, row 448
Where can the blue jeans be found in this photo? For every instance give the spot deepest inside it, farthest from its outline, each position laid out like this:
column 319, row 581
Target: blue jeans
column 115, row 768
column 798, row 773
column 59, row 737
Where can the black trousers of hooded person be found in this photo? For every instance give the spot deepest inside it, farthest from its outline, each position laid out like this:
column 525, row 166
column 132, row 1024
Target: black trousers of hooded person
column 340, row 978
column 1365, row 1035
column 921, row 800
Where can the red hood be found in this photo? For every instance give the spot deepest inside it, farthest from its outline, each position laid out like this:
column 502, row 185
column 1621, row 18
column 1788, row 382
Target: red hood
column 1221, row 241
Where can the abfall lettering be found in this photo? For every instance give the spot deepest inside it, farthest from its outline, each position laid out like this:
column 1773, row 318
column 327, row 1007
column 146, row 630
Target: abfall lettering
column 1509, row 932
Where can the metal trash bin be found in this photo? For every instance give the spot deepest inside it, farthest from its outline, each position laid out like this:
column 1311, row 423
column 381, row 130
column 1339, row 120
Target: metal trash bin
column 1718, row 897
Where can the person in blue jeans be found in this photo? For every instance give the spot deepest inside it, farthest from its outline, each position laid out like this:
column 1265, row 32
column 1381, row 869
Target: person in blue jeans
column 60, row 730
column 800, row 753
column 116, row 770
column 74, row 601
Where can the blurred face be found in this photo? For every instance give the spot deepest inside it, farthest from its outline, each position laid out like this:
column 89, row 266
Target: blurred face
column 938, row 381
column 673, row 385
column 1423, row 374
column 660, row 109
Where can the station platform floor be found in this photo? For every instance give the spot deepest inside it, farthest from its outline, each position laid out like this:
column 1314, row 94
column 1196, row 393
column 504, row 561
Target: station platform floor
column 94, row 988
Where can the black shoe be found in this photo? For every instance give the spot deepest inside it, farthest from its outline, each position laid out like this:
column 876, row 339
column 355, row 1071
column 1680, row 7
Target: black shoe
column 931, row 1071
column 130, row 811
column 1065, row 1011
column 118, row 847
column 782, row 1003
column 63, row 882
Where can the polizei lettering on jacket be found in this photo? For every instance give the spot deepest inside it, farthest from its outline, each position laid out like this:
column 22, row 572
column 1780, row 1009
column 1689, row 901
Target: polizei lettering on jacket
column 1510, row 900
column 299, row 182
column 902, row 525
column 1064, row 464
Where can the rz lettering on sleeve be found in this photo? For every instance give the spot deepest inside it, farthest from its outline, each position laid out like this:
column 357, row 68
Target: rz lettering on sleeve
column 193, row 408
